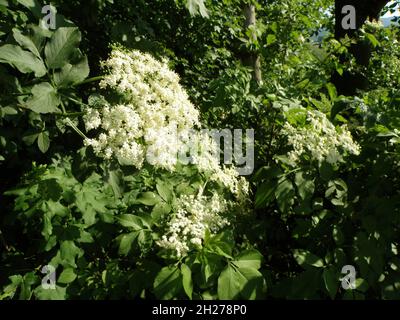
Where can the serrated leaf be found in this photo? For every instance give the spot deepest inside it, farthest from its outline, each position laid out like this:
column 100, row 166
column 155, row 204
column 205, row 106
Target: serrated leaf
column 25, row 42
column 68, row 252
column 24, row 61
column 72, row 74
column 160, row 210
column 44, row 99
column 125, row 242
column 187, row 280
column 197, row 7
column 59, row 293
column 305, row 187
column 61, row 46
column 115, row 180
column 67, row 276
column 249, row 259
column 168, row 283
column 132, row 221
column 234, row 283
column 164, row 190
column 304, row 257
column 149, row 199
column 43, row 142
column 372, row 39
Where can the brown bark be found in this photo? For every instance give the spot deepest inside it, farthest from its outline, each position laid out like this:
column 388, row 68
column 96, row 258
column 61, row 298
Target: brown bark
column 252, row 59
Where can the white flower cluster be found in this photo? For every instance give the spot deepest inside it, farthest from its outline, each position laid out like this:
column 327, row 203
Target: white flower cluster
column 155, row 122
column 156, row 110
column 320, row 140
column 123, row 126
column 158, row 122
column 375, row 24
column 194, row 215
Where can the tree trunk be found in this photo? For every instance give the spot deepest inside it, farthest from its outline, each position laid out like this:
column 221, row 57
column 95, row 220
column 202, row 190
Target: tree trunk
column 348, row 83
column 252, row 59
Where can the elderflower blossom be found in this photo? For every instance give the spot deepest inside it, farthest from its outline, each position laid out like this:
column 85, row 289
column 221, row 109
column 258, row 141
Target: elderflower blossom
column 155, row 122
column 155, row 111
column 374, row 25
column 194, row 215
column 123, row 126
column 320, row 140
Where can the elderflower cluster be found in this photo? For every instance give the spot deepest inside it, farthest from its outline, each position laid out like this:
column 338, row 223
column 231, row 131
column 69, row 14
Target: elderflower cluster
column 194, row 215
column 320, row 140
column 374, row 25
column 123, row 126
column 155, row 122
column 155, row 111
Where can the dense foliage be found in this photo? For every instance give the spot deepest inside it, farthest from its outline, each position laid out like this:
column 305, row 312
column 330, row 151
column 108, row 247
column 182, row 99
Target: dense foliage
column 89, row 179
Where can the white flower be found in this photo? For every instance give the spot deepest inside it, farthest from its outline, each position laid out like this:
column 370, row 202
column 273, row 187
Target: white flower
column 194, row 215
column 155, row 111
column 320, row 140
column 155, row 122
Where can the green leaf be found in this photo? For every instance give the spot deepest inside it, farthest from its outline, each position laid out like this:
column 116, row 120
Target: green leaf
column 24, row 61
column 115, row 181
column 25, row 42
column 27, row 282
column 234, row 283
column 165, row 191
column 168, row 283
column 338, row 235
column 72, row 74
column 33, row 5
column 187, row 280
column 149, row 199
column 361, row 285
column 160, row 210
column 90, row 202
column 61, row 46
column 229, row 284
column 265, row 194
column 331, row 91
column 59, row 293
column 304, row 257
column 44, row 99
column 30, row 139
column 197, row 6
column 221, row 244
column 271, row 38
column 9, row 111
column 305, row 187
column 125, row 242
column 10, row 290
column 249, row 259
column 331, row 281
column 43, row 141
column 67, row 276
column 284, row 195
column 68, row 252
column 134, row 222
column 372, row 39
